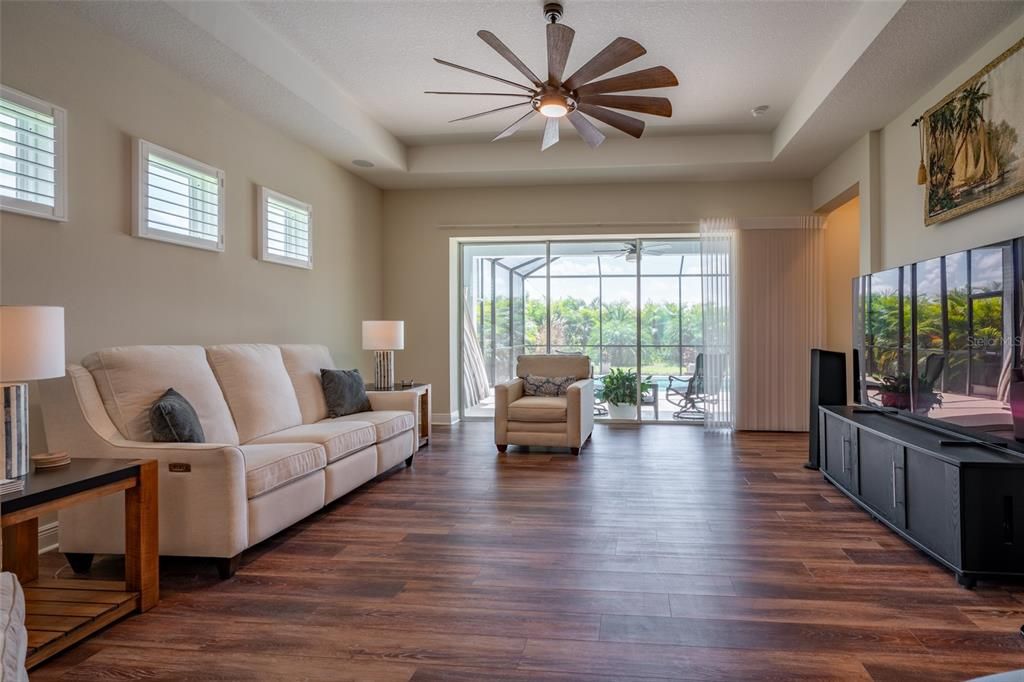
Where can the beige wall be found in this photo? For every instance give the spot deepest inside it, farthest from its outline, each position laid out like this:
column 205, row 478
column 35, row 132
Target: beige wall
column 118, row 289
column 905, row 238
column 896, row 232
column 422, row 227
column 842, row 244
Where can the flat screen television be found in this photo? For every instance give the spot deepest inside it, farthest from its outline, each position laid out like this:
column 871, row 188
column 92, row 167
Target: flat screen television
column 940, row 340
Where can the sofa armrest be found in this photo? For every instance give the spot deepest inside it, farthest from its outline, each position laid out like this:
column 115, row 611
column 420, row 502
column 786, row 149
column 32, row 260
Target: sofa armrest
column 504, row 395
column 580, row 412
column 203, row 502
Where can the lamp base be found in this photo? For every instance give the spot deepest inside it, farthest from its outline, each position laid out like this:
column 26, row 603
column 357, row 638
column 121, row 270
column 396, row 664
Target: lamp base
column 384, row 368
column 14, row 402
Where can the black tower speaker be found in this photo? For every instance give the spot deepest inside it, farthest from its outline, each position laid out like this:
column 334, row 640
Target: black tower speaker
column 828, row 387
column 856, row 376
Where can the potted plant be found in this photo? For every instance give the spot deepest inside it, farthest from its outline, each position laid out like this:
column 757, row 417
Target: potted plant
column 619, row 390
column 895, row 392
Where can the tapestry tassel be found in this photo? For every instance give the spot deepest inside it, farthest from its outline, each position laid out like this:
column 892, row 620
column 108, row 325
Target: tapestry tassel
column 922, row 172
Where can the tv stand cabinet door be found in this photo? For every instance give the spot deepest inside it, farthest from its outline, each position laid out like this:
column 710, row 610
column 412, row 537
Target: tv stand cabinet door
column 841, row 452
column 879, row 465
column 933, row 505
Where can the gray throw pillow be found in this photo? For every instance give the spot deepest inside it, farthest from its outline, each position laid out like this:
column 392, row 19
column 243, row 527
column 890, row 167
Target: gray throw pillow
column 344, row 392
column 173, row 420
column 547, row 386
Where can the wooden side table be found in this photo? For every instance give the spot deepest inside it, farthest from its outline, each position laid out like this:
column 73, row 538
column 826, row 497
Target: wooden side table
column 60, row 613
column 424, row 415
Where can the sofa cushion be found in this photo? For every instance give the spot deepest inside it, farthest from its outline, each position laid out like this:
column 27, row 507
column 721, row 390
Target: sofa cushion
column 344, row 391
column 387, row 423
column 303, row 363
column 173, row 420
column 257, row 388
column 131, row 378
column 268, row 466
column 538, row 409
column 340, row 439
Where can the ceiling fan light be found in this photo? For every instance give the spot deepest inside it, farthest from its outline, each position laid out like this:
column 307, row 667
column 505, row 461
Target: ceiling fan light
column 553, row 106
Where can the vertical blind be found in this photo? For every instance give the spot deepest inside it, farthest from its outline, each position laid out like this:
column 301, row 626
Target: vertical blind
column 182, row 200
column 27, row 154
column 287, row 230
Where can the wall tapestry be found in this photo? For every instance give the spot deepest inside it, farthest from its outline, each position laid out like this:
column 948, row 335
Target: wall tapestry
column 974, row 141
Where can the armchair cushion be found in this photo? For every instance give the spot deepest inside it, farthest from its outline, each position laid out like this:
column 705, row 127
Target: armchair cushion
column 339, row 439
column 538, row 409
column 272, row 465
column 547, row 386
column 554, row 365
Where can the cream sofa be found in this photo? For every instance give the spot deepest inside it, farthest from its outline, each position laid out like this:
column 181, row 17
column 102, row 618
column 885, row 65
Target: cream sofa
column 563, row 421
column 272, row 455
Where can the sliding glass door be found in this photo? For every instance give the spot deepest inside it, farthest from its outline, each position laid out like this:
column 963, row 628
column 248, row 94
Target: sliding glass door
column 633, row 306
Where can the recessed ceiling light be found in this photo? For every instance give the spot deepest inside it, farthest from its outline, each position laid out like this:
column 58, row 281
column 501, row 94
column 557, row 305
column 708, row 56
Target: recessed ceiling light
column 363, row 163
column 759, row 110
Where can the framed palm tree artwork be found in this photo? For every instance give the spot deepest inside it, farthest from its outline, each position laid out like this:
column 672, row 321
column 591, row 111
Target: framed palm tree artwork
column 974, row 141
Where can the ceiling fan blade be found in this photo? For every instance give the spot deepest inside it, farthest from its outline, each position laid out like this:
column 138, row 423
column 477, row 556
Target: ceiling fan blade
column 620, row 51
column 627, row 124
column 658, row 106
column 485, row 75
column 489, row 111
column 654, row 77
column 587, row 130
column 550, row 134
column 559, row 41
column 502, row 49
column 489, row 94
column 515, row 126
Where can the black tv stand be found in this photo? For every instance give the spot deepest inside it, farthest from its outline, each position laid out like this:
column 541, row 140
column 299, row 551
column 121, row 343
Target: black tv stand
column 960, row 501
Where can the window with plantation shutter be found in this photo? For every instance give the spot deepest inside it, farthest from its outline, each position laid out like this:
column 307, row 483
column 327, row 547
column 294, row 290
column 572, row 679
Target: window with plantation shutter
column 32, row 156
column 178, row 199
column 286, row 229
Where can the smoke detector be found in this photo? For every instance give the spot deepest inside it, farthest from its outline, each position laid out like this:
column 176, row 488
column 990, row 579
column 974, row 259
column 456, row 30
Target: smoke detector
column 759, row 111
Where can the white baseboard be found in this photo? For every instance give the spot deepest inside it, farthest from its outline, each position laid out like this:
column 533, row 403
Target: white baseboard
column 48, row 538
column 444, row 419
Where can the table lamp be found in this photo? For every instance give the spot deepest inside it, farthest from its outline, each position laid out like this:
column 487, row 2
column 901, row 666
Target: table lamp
column 383, row 337
column 31, row 348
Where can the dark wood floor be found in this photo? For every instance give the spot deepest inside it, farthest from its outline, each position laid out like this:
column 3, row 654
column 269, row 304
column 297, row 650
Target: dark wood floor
column 660, row 553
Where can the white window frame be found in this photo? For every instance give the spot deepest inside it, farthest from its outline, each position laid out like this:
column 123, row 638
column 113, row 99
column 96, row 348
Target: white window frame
column 140, row 225
column 265, row 194
column 59, row 210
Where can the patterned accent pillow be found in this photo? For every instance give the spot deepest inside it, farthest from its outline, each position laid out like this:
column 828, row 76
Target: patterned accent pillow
column 547, row 386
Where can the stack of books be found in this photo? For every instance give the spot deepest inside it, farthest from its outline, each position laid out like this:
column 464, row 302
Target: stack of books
column 11, row 485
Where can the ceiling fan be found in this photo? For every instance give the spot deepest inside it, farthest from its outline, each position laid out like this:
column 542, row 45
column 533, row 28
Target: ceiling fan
column 629, row 252
column 579, row 94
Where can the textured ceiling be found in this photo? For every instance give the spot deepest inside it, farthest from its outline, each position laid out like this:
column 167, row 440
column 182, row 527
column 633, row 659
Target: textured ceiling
column 347, row 77
column 729, row 56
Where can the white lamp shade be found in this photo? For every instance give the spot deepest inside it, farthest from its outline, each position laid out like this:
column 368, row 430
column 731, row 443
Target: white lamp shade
column 383, row 335
column 31, row 343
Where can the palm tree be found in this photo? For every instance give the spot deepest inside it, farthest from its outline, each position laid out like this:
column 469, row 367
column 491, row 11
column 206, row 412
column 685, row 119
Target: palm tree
column 969, row 117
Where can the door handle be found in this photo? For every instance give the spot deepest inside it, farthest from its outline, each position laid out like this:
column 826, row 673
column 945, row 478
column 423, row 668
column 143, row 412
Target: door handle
column 894, row 484
column 846, row 454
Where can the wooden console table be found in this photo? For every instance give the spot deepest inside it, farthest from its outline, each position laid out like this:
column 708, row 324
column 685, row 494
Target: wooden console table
column 423, row 415
column 60, row 613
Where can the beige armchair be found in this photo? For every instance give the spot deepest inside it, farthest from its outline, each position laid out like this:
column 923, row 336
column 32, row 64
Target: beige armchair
column 563, row 421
